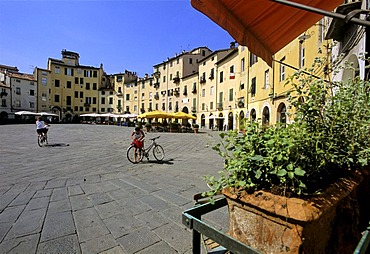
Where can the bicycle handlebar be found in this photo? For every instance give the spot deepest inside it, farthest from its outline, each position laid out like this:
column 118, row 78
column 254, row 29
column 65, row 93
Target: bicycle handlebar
column 154, row 138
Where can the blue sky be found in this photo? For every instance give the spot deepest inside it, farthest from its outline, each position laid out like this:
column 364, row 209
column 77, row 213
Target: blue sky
column 121, row 34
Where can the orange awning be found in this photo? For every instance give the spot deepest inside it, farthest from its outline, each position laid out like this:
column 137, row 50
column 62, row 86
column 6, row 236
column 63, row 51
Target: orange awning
column 263, row 26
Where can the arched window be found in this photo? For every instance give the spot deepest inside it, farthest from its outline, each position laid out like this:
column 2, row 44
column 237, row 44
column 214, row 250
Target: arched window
column 281, row 112
column 230, row 123
column 265, row 116
column 253, row 115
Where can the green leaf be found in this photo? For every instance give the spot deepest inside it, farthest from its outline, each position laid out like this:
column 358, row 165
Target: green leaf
column 299, row 172
column 291, row 175
column 279, row 157
column 281, row 172
column 257, row 157
column 258, row 174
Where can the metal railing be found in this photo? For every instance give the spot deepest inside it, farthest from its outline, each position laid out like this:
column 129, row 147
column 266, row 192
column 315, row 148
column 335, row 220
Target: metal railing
column 192, row 219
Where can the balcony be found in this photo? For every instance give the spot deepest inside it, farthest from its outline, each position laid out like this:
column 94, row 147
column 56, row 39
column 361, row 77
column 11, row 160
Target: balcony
column 157, row 74
column 142, row 110
column 3, row 94
column 156, row 85
column 202, row 80
column 86, row 105
column 176, row 79
column 156, row 97
column 194, row 109
column 194, row 90
column 211, row 76
column 241, row 103
column 119, row 94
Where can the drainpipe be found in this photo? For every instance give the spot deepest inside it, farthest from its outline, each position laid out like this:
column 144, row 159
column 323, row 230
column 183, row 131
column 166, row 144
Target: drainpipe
column 273, row 80
column 248, row 66
column 167, row 80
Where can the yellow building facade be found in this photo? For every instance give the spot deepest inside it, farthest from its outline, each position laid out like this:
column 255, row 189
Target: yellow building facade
column 219, row 87
column 68, row 88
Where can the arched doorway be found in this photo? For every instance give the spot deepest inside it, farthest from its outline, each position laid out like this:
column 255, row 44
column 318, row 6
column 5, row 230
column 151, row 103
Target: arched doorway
column 265, row 116
column 253, row 115
column 281, row 113
column 220, row 122
column 230, row 121
column 185, row 110
column 241, row 119
column 202, row 121
column 3, row 117
column 68, row 117
column 211, row 122
column 57, row 110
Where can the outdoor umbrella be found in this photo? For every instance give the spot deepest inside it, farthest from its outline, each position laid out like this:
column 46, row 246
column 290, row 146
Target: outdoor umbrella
column 128, row 115
column 155, row 114
column 46, row 114
column 91, row 115
column 264, row 26
column 107, row 115
column 182, row 115
column 215, row 117
column 25, row 113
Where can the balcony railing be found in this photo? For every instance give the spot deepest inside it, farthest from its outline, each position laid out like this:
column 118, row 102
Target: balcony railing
column 202, row 80
column 176, row 79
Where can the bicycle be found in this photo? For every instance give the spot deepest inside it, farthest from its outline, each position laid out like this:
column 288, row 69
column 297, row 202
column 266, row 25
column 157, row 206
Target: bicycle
column 42, row 139
column 158, row 152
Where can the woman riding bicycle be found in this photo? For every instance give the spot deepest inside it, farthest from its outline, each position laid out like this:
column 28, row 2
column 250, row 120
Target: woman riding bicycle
column 41, row 127
column 138, row 140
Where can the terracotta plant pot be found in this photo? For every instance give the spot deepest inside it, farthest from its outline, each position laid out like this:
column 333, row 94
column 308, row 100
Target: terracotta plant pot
column 331, row 222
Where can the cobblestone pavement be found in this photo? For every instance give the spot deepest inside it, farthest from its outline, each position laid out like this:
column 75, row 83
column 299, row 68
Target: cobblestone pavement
column 81, row 194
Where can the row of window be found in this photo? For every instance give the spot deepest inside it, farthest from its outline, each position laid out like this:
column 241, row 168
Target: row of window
column 78, row 81
column 18, row 91
column 70, row 72
column 18, row 103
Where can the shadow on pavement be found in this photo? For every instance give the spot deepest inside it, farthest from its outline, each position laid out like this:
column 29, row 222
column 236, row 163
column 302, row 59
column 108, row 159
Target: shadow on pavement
column 56, row 145
column 168, row 162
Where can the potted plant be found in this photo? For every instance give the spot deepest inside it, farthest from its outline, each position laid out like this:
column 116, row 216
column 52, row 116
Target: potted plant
column 287, row 185
column 196, row 128
column 148, row 126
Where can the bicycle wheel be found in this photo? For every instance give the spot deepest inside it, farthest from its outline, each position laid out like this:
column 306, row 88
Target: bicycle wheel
column 132, row 157
column 158, row 152
column 41, row 140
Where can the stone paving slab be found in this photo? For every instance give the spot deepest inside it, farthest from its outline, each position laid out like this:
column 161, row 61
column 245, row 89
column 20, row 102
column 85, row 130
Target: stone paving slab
column 81, row 194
